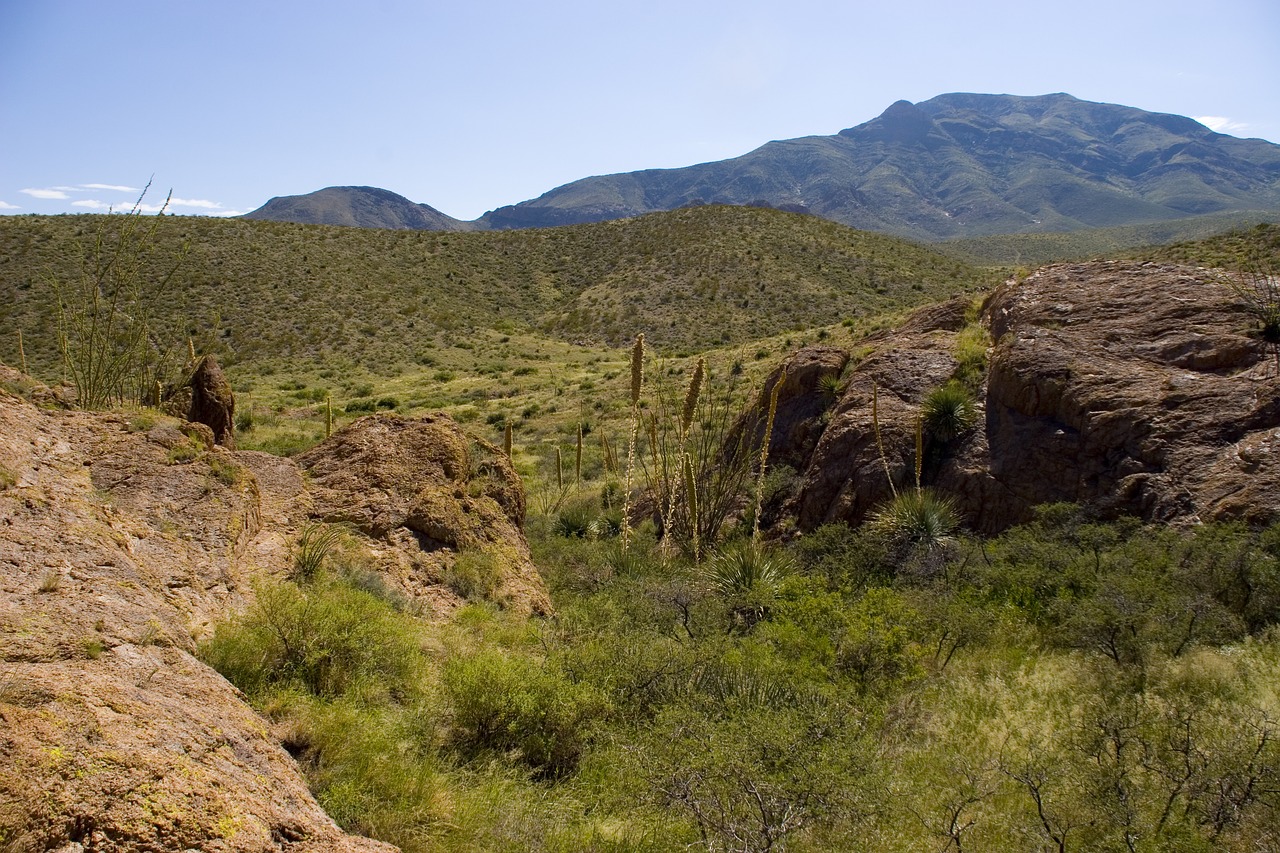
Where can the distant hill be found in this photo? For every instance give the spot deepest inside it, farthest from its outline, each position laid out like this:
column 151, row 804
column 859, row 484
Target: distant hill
column 689, row 279
column 365, row 207
column 955, row 166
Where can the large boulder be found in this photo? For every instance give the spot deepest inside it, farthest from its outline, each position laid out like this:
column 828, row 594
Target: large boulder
column 1133, row 388
column 125, row 538
column 422, row 485
column 121, row 540
column 213, row 403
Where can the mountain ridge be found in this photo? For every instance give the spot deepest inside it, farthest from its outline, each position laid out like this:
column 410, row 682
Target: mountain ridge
column 957, row 165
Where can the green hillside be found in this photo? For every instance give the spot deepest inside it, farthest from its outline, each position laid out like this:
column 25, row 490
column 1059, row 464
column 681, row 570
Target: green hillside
column 265, row 291
column 1036, row 249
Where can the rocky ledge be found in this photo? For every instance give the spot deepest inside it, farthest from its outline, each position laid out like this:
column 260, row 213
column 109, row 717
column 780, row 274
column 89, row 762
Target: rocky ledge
column 123, row 539
column 1140, row 389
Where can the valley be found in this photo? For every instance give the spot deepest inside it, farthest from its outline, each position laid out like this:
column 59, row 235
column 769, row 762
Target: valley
column 1039, row 616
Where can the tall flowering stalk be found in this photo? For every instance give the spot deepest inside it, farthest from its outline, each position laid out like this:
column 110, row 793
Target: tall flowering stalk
column 764, row 454
column 637, row 386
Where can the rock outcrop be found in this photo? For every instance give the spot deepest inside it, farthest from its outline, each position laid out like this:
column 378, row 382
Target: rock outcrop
column 123, row 539
column 417, row 483
column 1134, row 388
column 213, row 403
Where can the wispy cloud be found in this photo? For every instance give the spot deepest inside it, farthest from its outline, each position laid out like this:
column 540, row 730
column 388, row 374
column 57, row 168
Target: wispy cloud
column 203, row 206
column 46, row 193
column 4, row 205
column 196, row 202
column 1221, row 124
column 116, row 187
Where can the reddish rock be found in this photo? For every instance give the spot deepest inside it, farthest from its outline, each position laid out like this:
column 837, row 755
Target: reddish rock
column 803, row 400
column 414, row 482
column 124, row 539
column 212, row 402
column 1133, row 388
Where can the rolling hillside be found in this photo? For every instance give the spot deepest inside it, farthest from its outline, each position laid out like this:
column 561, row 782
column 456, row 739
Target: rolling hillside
column 261, row 291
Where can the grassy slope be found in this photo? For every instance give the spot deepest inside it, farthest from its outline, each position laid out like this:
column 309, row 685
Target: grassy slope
column 1035, row 249
column 522, row 326
column 264, row 291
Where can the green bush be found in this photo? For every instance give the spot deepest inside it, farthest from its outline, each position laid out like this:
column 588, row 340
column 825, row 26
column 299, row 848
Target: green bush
column 504, row 703
column 474, row 575
column 373, row 770
column 326, row 638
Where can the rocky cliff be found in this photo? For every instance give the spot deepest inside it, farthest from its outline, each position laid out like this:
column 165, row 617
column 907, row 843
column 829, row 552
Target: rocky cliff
column 1134, row 388
column 122, row 540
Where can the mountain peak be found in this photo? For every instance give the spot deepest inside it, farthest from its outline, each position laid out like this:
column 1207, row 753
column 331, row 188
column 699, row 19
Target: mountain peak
column 903, row 123
column 956, row 165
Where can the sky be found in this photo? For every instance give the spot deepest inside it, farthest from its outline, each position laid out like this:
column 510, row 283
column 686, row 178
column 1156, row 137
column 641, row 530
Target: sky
column 468, row 106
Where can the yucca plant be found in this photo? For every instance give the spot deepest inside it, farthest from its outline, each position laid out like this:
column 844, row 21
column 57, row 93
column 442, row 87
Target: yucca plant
column 917, row 519
column 748, row 568
column 695, row 466
column 949, row 411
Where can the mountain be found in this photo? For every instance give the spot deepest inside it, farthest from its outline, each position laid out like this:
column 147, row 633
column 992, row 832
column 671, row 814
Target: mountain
column 955, row 166
column 365, row 207
column 959, row 165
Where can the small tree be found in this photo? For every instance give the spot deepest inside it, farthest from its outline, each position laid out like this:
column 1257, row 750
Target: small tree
column 106, row 330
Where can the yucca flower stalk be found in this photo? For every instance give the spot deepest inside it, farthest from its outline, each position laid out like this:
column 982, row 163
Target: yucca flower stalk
column 577, row 461
column 875, row 426
column 691, row 498
column 690, row 408
column 637, row 385
column 764, row 454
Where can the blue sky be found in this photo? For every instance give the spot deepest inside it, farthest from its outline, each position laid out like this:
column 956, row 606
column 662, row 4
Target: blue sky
column 468, row 106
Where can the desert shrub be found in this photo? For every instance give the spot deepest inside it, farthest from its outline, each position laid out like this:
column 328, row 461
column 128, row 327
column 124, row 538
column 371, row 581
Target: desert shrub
column 845, row 557
column 474, row 574
column 374, row 770
column 502, row 703
column 754, row 780
column 225, row 471
column 971, row 355
column 186, row 450
column 326, row 638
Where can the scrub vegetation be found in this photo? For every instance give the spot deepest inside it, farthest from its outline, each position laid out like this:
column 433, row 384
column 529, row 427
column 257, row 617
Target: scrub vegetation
column 1074, row 684
column 1071, row 684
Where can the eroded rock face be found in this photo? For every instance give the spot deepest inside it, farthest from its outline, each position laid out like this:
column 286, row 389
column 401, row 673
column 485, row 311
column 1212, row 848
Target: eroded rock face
column 416, row 484
column 1134, row 388
column 123, row 539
